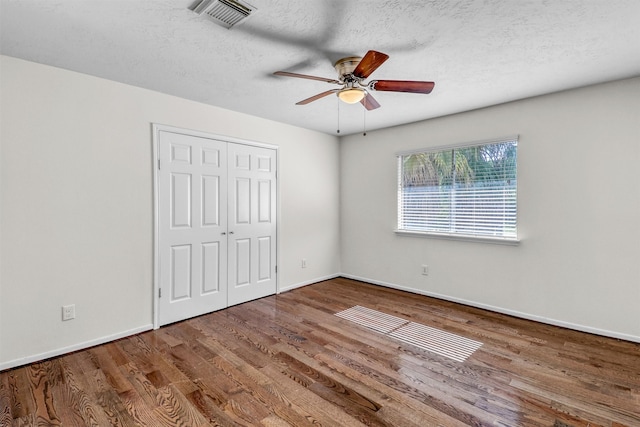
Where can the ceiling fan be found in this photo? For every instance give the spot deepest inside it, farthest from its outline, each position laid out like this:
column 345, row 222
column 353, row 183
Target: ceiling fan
column 352, row 71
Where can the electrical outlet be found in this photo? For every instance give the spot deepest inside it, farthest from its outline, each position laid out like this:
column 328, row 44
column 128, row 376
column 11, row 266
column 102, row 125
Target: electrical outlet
column 425, row 270
column 304, row 263
column 68, row 312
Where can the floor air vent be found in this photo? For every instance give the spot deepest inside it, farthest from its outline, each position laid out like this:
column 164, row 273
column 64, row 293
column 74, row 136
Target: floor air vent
column 227, row 13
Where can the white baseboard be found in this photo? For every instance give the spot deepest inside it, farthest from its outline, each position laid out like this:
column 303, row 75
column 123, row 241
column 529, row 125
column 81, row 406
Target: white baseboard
column 80, row 346
column 514, row 313
column 308, row 282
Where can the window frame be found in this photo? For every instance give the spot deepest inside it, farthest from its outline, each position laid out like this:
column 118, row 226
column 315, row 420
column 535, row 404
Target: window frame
column 505, row 240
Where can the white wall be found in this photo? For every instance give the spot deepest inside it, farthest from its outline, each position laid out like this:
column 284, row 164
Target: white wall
column 578, row 263
column 77, row 209
column 76, row 214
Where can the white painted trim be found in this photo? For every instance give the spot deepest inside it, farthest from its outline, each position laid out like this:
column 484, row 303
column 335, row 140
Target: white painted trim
column 156, row 128
column 75, row 347
column 514, row 313
column 278, row 210
column 460, row 145
column 225, row 138
column 464, row 238
column 310, row 282
column 155, row 140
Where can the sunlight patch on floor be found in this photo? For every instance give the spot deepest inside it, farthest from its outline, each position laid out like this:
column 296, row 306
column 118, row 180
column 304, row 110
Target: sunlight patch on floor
column 425, row 337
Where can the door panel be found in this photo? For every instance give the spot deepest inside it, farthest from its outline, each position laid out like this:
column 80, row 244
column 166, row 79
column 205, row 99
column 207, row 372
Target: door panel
column 264, row 258
column 264, row 201
column 210, row 267
column 180, row 200
column 180, row 153
column 243, row 201
column 243, row 262
column 252, row 225
column 192, row 226
column 180, row 272
column 210, row 201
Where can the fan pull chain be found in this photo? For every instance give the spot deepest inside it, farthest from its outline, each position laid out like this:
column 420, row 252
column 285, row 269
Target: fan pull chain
column 338, row 131
column 364, row 123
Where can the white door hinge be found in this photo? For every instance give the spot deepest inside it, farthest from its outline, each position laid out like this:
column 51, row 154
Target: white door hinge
column 159, row 292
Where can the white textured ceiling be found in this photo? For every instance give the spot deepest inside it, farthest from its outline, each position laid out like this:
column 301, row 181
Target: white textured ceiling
column 479, row 52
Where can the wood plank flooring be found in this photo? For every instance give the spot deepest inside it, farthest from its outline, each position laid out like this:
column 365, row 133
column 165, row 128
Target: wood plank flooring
column 287, row 360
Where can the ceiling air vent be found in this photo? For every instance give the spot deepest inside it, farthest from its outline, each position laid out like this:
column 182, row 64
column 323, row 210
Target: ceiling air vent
column 227, row 13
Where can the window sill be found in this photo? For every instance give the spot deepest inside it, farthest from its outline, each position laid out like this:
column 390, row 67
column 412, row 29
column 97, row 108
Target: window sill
column 447, row 236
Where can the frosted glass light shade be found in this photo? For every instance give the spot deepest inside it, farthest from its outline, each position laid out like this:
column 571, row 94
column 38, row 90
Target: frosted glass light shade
column 351, row 96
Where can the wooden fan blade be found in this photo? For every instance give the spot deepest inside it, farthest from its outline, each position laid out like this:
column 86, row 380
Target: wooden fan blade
column 304, row 76
column 369, row 102
column 316, row 97
column 367, row 65
column 402, row 86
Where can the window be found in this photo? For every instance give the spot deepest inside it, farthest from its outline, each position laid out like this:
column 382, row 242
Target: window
column 465, row 191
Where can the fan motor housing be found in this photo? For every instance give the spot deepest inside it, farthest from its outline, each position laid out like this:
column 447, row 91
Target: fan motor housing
column 345, row 66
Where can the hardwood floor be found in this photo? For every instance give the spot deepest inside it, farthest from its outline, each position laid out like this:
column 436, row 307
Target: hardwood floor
column 287, row 360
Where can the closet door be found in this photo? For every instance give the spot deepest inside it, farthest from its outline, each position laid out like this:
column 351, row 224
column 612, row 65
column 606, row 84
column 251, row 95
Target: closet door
column 192, row 226
column 252, row 223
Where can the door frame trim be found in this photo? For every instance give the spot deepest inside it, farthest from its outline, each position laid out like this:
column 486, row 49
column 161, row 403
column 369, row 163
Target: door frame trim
column 156, row 128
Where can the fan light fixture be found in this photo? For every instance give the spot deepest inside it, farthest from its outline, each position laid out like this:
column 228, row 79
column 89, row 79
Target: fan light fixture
column 351, row 95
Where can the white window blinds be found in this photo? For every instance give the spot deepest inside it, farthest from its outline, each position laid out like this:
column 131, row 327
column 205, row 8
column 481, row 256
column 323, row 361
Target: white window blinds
column 463, row 191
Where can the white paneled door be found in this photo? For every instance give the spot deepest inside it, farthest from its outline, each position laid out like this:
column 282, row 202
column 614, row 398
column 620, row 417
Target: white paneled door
column 216, row 224
column 252, row 223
